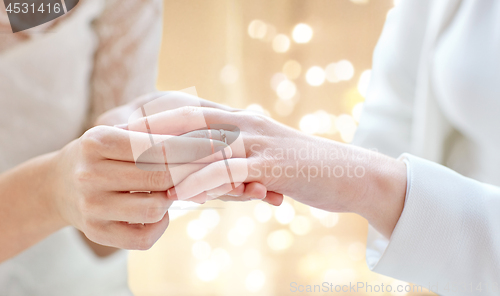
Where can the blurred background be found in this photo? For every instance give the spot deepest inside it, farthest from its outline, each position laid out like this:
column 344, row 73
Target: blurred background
column 306, row 64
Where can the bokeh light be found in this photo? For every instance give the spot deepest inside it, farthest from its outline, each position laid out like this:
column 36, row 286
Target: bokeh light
column 302, row 33
column 284, row 107
column 347, row 127
column 330, row 220
column 309, row 124
column 277, row 79
column 364, row 82
column 262, row 212
column 315, row 76
column 252, row 258
column 196, row 229
column 360, row 1
column 201, row 250
column 331, row 73
column 356, row 251
column 300, row 225
column 344, row 70
column 325, row 121
column 257, row 29
column 286, row 90
column 292, row 69
column 328, row 244
column 207, row 270
column 280, row 240
column 256, row 108
column 281, row 43
column 229, row 74
column 318, row 213
column 255, row 280
column 221, row 257
column 357, row 110
column 210, row 218
column 285, row 213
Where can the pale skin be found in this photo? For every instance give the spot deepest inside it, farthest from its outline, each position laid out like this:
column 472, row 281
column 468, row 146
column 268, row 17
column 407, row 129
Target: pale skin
column 375, row 188
column 87, row 184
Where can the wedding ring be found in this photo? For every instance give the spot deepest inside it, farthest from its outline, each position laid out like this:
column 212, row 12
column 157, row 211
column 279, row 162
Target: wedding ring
column 223, row 136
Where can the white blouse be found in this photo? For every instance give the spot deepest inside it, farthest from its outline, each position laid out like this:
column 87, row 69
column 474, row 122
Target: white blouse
column 435, row 93
column 54, row 80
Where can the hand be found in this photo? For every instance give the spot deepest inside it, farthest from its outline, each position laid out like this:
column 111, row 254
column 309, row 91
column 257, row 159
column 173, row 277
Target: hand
column 92, row 178
column 172, row 100
column 318, row 172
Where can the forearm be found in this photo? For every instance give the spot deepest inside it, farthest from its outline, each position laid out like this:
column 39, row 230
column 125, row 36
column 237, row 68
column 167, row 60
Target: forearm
column 27, row 214
column 344, row 178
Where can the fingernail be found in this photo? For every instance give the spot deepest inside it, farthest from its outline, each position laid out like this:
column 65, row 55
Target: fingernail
column 256, row 198
column 171, row 194
column 122, row 126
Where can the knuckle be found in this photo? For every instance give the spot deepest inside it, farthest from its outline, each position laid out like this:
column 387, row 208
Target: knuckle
column 145, row 241
column 94, row 138
column 158, row 180
column 156, row 211
column 83, row 176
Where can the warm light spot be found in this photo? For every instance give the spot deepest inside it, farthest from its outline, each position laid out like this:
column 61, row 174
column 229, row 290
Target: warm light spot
column 235, row 237
column 280, row 240
column 229, row 74
column 364, row 82
column 277, row 79
column 300, row 225
column 256, row 108
column 315, row 76
column 347, row 127
column 210, row 218
column 262, row 212
column 257, row 29
column 196, row 229
column 281, row 43
column 245, row 225
column 309, row 124
column 286, row 90
column 356, row 251
column 302, row 33
column 284, row 213
column 207, row 271
column 251, row 258
column 333, row 127
column 318, row 213
column 356, row 111
column 325, row 121
column 292, row 69
column 341, row 276
column 270, row 34
column 201, row 250
column 284, row 107
column 221, row 258
column 255, row 280
column 344, row 70
column 330, row 220
column 328, row 244
column 331, row 74
column 396, row 2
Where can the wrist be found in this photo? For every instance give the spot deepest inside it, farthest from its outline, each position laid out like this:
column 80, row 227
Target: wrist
column 384, row 194
column 49, row 189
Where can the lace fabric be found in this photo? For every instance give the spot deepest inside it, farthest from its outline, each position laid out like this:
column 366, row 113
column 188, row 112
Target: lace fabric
column 125, row 64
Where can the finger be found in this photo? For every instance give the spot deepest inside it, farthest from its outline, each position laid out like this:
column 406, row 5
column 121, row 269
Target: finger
column 215, row 134
column 124, row 235
column 273, row 198
column 112, row 175
column 231, row 171
column 226, row 189
column 182, row 120
column 118, row 144
column 136, row 207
